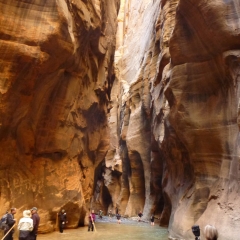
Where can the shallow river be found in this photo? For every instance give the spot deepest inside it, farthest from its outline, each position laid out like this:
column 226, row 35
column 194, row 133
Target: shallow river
column 111, row 231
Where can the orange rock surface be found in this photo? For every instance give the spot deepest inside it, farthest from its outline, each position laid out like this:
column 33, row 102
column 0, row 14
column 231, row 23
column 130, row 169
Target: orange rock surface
column 177, row 70
column 131, row 104
column 56, row 74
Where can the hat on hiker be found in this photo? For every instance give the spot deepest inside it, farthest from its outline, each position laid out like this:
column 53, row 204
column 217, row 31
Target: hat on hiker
column 27, row 213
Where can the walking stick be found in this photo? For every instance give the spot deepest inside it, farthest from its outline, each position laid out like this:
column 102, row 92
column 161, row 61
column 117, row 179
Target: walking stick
column 8, row 231
column 57, row 224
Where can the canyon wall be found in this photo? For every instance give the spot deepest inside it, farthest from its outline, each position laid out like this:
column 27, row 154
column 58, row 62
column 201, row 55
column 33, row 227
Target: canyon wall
column 56, row 61
column 131, row 104
column 174, row 128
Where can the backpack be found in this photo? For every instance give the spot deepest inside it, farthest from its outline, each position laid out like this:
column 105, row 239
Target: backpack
column 3, row 222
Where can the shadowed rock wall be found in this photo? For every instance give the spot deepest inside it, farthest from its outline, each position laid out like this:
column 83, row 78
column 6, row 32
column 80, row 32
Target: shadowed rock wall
column 56, row 62
column 174, row 119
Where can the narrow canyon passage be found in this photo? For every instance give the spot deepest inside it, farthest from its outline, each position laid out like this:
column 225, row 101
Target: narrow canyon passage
column 131, row 105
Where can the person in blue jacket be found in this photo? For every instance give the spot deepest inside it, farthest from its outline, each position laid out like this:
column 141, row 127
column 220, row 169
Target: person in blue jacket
column 10, row 223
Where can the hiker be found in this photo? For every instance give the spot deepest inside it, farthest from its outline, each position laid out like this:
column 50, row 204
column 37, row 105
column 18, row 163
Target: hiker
column 10, row 222
column 100, row 214
column 25, row 225
column 152, row 219
column 62, row 216
column 110, row 214
column 92, row 218
column 140, row 216
column 36, row 220
column 210, row 232
column 118, row 218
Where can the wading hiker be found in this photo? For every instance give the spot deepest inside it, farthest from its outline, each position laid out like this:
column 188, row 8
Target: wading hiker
column 10, row 224
column 62, row 216
column 140, row 216
column 92, row 218
column 36, row 220
column 100, row 214
column 152, row 219
column 25, row 225
column 110, row 214
column 118, row 218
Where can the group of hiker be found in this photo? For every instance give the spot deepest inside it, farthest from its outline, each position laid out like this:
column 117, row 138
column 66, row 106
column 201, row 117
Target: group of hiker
column 118, row 216
column 92, row 217
column 27, row 225
column 210, row 231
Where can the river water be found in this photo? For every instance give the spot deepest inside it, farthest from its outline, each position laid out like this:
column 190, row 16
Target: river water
column 111, row 230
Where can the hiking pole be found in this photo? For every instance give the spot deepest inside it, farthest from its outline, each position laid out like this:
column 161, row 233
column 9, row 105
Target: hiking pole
column 93, row 224
column 57, row 224
column 8, row 231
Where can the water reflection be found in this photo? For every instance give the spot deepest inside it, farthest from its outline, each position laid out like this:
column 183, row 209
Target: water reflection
column 111, row 231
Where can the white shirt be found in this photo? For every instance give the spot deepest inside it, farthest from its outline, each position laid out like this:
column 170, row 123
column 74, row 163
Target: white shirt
column 25, row 224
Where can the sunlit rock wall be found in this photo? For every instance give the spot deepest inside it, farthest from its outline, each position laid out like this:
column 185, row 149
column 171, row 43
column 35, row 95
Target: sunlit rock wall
column 56, row 62
column 129, row 156
column 174, row 124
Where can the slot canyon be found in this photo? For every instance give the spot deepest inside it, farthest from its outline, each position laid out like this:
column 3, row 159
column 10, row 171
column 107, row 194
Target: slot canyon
column 131, row 104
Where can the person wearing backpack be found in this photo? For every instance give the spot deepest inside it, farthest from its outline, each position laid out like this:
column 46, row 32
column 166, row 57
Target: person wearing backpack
column 10, row 223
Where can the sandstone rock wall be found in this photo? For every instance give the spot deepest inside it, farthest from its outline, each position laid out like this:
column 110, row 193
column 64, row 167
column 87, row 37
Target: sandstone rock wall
column 56, row 62
column 130, row 121
column 158, row 133
column 174, row 119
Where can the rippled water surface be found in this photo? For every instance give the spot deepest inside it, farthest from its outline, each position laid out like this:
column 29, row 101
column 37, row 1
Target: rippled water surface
column 111, row 231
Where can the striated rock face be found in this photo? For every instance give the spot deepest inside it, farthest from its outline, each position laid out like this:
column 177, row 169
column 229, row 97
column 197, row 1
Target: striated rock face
column 174, row 118
column 137, row 60
column 156, row 131
column 56, row 62
column 203, row 97
column 134, row 154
